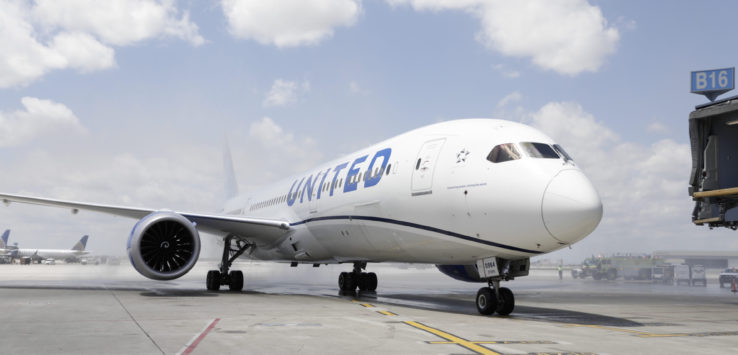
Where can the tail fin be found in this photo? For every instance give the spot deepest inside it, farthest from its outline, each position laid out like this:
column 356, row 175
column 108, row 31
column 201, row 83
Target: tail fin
column 231, row 187
column 4, row 242
column 81, row 245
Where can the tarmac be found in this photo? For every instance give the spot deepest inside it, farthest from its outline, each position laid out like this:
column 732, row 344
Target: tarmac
column 94, row 309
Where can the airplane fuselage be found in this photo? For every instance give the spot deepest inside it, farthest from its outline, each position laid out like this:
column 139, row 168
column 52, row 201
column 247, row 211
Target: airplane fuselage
column 50, row 253
column 429, row 196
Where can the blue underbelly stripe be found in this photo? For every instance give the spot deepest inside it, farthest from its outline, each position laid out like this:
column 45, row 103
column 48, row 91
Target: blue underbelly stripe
column 418, row 226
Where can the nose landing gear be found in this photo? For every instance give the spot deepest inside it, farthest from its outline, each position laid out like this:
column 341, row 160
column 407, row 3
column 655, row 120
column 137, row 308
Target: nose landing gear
column 495, row 299
column 365, row 281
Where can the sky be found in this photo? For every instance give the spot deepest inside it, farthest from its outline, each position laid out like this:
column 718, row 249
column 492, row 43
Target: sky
column 130, row 101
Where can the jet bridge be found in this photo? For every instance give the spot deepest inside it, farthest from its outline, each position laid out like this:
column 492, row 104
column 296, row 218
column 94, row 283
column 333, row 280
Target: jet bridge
column 713, row 132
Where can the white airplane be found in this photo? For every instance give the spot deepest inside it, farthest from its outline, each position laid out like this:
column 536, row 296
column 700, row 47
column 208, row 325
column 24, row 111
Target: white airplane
column 476, row 197
column 4, row 248
column 78, row 249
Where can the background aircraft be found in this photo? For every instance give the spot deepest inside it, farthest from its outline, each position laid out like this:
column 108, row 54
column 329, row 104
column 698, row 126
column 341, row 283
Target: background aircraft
column 77, row 250
column 476, row 197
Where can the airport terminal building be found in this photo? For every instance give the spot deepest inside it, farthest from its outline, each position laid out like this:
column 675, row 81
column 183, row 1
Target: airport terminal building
column 709, row 259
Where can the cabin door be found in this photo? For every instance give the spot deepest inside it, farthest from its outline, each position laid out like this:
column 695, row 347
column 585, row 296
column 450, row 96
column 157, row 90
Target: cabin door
column 425, row 164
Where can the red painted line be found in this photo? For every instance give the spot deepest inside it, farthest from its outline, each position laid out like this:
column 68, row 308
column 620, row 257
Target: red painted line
column 189, row 348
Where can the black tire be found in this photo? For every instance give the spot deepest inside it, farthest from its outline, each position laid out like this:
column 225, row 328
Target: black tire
column 213, row 280
column 363, row 281
column 372, row 281
column 508, row 302
column 346, row 282
column 236, row 280
column 486, row 301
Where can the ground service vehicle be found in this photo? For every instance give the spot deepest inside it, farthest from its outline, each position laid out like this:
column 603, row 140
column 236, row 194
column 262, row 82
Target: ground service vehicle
column 698, row 275
column 682, row 274
column 663, row 274
column 628, row 266
column 596, row 267
column 728, row 276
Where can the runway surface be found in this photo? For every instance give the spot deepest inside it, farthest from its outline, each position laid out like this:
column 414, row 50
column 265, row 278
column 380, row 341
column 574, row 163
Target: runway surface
column 93, row 309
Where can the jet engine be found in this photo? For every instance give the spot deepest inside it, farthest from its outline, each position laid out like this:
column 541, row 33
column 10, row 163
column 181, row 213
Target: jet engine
column 164, row 245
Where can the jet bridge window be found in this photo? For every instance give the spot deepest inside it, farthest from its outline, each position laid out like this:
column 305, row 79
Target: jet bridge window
column 539, row 150
column 503, row 152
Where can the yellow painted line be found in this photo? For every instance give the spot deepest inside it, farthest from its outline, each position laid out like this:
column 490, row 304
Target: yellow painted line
column 387, row 313
column 623, row 330
column 452, row 338
column 503, row 342
column 367, row 305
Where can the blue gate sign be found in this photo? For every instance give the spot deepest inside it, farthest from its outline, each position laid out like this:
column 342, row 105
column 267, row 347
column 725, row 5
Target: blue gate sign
column 712, row 83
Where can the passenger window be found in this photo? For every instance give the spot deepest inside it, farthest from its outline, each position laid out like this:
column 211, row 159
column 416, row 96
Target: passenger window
column 563, row 153
column 539, row 150
column 503, row 152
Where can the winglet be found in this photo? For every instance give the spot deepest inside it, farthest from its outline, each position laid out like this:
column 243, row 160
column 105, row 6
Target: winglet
column 231, row 187
column 81, row 245
column 4, row 242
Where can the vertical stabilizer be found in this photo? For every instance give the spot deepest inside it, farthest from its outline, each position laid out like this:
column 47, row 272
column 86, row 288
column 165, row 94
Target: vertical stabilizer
column 231, row 188
column 81, row 245
column 4, row 241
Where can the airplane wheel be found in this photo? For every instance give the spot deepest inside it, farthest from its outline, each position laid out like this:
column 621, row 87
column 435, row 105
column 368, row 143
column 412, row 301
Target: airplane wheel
column 236, row 280
column 213, row 280
column 363, row 281
column 372, row 285
column 345, row 282
column 508, row 302
column 486, row 301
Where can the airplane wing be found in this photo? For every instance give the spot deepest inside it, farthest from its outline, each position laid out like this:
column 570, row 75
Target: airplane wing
column 255, row 229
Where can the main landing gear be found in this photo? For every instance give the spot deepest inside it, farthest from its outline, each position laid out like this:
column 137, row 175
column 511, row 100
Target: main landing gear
column 233, row 279
column 365, row 281
column 495, row 299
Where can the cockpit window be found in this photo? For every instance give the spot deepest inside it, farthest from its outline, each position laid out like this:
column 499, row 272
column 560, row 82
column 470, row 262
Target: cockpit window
column 563, row 153
column 503, row 152
column 539, row 150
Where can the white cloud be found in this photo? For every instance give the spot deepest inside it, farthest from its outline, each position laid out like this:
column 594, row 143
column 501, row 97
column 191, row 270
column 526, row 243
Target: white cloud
column 356, row 89
column 284, row 92
column 508, row 73
column 118, row 22
column 38, row 117
column 83, row 52
column 289, row 23
column 514, row 96
column 657, row 127
column 48, row 35
column 568, row 36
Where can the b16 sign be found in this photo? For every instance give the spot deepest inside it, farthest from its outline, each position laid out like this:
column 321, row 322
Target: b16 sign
column 712, row 83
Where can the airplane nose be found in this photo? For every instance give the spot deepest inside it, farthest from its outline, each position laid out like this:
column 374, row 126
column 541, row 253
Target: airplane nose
column 571, row 207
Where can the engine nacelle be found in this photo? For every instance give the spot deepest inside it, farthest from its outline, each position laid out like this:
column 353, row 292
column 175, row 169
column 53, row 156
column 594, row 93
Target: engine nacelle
column 164, row 245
